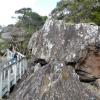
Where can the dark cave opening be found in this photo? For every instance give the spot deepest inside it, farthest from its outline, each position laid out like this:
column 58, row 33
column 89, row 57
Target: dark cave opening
column 41, row 61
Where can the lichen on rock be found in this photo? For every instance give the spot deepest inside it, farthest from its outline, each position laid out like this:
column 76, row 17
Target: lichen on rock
column 61, row 41
column 58, row 43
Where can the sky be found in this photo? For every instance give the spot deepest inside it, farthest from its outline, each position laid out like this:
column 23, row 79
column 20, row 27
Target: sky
column 8, row 8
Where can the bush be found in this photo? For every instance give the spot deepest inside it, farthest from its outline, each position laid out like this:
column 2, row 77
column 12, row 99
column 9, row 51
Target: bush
column 95, row 17
column 81, row 10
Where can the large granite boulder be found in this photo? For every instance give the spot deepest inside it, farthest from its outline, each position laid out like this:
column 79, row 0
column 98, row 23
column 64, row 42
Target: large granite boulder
column 63, row 41
column 57, row 43
column 54, row 81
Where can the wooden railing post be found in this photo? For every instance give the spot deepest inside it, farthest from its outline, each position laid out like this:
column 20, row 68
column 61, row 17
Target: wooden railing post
column 8, row 80
column 23, row 65
column 4, row 73
column 15, row 73
column 20, row 70
column 1, row 84
column 19, row 66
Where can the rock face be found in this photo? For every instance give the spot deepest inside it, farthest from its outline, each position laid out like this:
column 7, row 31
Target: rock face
column 57, row 42
column 13, row 31
column 54, row 81
column 63, row 41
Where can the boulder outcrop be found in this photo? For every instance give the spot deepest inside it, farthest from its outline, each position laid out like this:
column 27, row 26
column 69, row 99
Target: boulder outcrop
column 63, row 41
column 53, row 81
column 58, row 43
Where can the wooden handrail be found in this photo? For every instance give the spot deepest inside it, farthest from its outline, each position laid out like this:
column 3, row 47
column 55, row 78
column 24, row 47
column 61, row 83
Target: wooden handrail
column 12, row 63
column 8, row 61
column 17, row 53
column 17, row 66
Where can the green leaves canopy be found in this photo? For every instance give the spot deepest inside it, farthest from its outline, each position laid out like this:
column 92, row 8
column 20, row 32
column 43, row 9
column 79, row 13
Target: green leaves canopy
column 28, row 19
column 80, row 10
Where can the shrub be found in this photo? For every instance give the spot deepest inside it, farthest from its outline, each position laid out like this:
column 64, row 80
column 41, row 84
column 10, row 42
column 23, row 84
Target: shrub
column 81, row 10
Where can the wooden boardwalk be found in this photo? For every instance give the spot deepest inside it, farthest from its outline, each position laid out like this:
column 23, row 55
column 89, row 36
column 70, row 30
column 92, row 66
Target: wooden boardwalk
column 11, row 71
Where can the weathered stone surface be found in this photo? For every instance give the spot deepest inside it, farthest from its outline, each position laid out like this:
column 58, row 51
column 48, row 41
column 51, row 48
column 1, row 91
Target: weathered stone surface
column 10, row 31
column 63, row 41
column 57, row 42
column 52, row 83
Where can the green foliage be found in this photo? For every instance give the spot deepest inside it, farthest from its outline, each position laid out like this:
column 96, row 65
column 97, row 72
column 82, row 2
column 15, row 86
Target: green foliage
column 3, row 46
column 29, row 19
column 23, row 11
column 30, row 22
column 81, row 10
column 96, row 17
column 61, row 5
